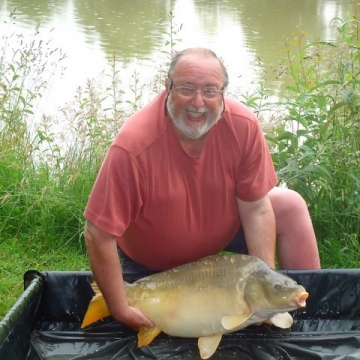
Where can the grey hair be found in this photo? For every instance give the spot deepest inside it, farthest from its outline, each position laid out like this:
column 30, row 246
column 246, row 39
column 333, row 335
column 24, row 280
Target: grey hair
column 177, row 55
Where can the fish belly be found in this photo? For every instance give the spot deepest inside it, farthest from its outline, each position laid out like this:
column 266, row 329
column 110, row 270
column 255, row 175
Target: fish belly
column 193, row 313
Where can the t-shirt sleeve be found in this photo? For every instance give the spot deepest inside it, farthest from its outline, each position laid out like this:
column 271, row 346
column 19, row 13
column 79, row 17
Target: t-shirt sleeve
column 116, row 197
column 256, row 173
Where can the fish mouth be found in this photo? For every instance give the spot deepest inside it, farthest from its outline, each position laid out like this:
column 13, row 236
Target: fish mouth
column 300, row 299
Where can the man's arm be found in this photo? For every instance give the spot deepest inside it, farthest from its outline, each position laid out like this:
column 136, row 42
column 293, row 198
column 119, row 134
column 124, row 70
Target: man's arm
column 106, row 267
column 258, row 221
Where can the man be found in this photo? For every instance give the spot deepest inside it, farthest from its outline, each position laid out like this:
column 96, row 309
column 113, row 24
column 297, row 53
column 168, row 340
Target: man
column 181, row 178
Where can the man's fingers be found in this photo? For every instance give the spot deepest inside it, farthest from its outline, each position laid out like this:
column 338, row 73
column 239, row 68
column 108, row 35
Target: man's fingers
column 135, row 319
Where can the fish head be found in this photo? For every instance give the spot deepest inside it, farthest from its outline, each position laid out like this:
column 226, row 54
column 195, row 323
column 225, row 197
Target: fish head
column 268, row 291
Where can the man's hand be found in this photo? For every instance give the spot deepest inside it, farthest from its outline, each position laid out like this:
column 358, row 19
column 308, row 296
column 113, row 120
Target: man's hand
column 133, row 318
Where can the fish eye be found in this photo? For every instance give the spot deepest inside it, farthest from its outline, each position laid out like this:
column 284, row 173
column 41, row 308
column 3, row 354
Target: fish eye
column 277, row 286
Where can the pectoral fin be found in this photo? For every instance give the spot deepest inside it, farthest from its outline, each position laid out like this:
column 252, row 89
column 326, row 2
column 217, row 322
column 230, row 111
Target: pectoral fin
column 233, row 321
column 208, row 345
column 282, row 320
column 146, row 335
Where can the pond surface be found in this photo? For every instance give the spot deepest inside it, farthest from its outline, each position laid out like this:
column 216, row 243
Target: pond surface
column 248, row 34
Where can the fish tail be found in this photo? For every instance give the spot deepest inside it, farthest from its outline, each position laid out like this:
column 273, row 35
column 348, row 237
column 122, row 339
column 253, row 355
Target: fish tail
column 97, row 309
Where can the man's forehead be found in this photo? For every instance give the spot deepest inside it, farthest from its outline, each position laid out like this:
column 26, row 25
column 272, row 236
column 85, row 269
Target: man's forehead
column 197, row 59
column 196, row 56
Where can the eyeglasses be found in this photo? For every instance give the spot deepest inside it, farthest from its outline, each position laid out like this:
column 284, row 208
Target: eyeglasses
column 189, row 92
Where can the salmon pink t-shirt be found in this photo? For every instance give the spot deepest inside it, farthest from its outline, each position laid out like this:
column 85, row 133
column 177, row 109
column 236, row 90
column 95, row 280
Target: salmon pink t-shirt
column 166, row 207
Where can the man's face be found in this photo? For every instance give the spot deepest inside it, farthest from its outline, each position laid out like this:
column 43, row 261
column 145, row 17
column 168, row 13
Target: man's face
column 195, row 115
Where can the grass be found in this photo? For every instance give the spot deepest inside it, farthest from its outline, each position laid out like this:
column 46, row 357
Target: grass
column 46, row 176
column 19, row 255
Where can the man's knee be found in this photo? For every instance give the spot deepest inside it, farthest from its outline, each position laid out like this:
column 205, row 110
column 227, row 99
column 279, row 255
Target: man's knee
column 285, row 201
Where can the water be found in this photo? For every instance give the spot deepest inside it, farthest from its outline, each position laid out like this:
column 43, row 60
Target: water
column 248, row 34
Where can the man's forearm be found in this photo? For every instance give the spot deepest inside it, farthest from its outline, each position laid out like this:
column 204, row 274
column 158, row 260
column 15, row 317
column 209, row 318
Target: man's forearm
column 258, row 222
column 106, row 268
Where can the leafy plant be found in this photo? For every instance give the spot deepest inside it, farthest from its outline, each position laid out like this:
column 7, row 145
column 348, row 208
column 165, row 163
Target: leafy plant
column 317, row 144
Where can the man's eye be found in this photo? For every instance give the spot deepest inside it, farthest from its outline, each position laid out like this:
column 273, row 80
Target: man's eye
column 209, row 91
column 188, row 90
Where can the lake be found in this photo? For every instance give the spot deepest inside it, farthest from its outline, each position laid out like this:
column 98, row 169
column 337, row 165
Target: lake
column 248, row 34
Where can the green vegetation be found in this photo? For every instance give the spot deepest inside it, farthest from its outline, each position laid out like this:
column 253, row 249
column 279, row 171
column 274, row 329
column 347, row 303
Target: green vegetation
column 46, row 176
column 314, row 135
column 317, row 143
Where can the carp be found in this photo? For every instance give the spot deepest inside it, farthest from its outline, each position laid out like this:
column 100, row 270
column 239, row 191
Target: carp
column 208, row 298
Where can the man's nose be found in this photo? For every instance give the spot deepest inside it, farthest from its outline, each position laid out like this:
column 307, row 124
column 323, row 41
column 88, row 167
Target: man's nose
column 198, row 100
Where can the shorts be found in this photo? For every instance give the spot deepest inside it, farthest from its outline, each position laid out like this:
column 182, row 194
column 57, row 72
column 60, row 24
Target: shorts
column 133, row 271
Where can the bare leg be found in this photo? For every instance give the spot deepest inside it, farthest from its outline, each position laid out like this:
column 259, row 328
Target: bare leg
column 296, row 241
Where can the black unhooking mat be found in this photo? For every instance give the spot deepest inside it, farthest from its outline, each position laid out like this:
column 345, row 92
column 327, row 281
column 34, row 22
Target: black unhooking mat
column 45, row 324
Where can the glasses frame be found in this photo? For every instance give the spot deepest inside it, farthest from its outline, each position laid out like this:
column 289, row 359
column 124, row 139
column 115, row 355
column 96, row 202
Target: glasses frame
column 195, row 91
column 172, row 85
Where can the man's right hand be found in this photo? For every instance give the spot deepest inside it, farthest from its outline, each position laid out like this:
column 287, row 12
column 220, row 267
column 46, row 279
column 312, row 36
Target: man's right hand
column 133, row 318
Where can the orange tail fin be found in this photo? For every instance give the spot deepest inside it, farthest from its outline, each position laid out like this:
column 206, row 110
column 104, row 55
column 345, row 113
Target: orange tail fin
column 97, row 309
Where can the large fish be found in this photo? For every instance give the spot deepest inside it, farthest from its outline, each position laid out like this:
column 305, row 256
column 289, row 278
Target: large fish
column 208, row 298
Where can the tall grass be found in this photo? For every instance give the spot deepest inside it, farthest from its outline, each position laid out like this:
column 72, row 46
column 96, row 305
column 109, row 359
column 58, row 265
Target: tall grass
column 46, row 174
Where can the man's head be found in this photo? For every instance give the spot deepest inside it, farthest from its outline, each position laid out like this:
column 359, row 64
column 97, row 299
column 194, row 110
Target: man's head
column 195, row 84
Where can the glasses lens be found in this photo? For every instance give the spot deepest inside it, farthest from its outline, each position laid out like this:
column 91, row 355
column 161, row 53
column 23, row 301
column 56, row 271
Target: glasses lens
column 186, row 91
column 210, row 93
